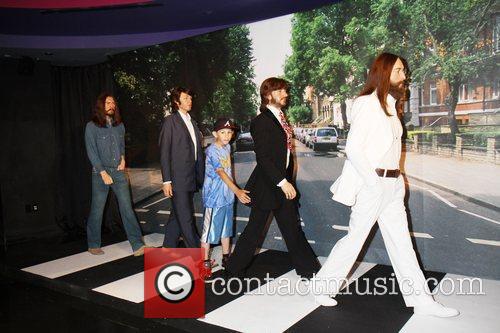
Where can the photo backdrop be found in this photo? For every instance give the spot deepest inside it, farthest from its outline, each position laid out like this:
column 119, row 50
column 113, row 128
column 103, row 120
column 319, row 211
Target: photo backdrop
column 451, row 156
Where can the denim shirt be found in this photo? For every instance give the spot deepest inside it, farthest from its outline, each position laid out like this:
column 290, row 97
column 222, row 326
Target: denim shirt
column 105, row 145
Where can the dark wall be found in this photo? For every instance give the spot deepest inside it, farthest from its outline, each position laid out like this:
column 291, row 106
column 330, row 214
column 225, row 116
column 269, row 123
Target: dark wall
column 44, row 163
column 27, row 148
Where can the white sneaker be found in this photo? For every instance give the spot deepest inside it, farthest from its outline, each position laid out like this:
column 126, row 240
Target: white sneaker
column 325, row 300
column 436, row 309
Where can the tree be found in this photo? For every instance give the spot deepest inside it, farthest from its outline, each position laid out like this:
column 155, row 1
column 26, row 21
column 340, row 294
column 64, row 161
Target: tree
column 299, row 114
column 448, row 42
column 326, row 45
column 334, row 45
column 234, row 93
column 217, row 66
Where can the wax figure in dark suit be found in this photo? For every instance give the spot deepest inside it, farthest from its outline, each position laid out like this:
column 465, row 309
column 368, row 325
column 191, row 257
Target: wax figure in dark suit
column 182, row 168
column 270, row 186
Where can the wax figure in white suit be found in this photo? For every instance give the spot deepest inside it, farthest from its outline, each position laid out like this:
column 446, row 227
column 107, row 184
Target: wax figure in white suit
column 370, row 182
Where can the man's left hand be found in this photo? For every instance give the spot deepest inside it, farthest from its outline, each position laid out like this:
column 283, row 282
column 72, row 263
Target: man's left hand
column 121, row 166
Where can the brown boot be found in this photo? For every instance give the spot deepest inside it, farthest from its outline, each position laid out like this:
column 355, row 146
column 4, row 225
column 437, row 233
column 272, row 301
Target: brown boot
column 97, row 251
column 139, row 251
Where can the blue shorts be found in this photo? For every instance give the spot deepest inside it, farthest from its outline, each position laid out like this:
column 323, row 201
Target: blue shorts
column 217, row 224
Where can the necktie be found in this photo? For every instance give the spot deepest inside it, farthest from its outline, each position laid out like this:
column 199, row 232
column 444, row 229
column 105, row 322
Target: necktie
column 288, row 130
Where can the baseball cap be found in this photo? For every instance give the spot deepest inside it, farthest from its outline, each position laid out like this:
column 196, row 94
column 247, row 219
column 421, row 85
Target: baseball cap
column 222, row 123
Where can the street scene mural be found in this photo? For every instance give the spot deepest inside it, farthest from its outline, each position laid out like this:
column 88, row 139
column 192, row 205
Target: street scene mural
column 451, row 144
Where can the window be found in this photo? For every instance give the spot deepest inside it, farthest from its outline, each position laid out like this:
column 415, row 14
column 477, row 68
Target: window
column 496, row 35
column 326, row 132
column 495, row 90
column 420, row 96
column 433, row 94
column 464, row 93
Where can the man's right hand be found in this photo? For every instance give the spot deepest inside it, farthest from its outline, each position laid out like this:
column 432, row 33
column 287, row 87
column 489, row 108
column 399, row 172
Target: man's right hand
column 106, row 178
column 167, row 190
column 289, row 190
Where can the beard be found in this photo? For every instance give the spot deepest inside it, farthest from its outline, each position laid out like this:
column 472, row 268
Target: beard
column 110, row 112
column 282, row 102
column 398, row 90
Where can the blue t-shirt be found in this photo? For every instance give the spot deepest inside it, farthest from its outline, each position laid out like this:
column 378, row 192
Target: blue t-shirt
column 215, row 192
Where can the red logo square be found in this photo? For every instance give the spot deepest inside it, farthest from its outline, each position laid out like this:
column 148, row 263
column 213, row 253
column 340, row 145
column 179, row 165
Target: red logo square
column 173, row 286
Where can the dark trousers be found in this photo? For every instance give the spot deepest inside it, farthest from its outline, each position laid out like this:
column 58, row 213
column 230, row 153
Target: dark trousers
column 181, row 222
column 303, row 258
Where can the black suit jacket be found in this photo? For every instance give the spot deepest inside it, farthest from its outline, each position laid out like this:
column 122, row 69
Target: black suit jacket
column 271, row 152
column 178, row 164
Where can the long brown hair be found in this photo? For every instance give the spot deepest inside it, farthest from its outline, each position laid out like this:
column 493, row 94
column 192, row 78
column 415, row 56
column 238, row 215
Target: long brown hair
column 269, row 85
column 379, row 79
column 99, row 117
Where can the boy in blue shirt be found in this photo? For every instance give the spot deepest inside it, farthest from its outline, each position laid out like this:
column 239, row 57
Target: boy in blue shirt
column 219, row 190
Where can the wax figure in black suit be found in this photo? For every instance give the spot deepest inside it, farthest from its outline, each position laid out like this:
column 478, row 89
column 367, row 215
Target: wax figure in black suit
column 182, row 168
column 270, row 186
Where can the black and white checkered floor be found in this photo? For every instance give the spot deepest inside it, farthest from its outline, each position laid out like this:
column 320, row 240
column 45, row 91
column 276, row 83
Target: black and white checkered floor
column 115, row 281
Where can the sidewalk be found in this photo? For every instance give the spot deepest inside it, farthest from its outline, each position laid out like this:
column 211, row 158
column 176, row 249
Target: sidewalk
column 144, row 182
column 477, row 182
column 474, row 181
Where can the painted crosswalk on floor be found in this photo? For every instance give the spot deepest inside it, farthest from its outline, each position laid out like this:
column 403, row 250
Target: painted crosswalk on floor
column 117, row 282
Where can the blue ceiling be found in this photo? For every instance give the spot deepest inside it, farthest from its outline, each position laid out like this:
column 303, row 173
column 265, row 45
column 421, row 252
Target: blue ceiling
column 83, row 36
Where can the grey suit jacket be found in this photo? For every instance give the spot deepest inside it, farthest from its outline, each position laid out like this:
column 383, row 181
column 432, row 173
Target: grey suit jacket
column 178, row 164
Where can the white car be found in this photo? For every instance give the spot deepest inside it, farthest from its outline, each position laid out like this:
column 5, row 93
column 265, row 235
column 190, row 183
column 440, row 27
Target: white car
column 324, row 139
column 308, row 137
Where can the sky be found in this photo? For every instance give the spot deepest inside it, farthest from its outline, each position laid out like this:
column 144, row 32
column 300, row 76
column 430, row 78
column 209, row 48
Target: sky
column 271, row 46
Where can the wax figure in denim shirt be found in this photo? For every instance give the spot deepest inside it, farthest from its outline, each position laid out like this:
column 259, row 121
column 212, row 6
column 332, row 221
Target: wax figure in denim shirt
column 105, row 143
column 182, row 168
column 372, row 184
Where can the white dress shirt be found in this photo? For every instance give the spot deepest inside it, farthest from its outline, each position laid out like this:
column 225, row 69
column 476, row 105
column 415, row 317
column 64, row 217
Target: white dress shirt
column 187, row 120
column 276, row 112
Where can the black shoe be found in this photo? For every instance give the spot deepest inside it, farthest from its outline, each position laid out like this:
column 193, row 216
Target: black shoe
column 225, row 258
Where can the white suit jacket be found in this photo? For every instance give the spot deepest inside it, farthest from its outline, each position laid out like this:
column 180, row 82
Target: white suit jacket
column 369, row 139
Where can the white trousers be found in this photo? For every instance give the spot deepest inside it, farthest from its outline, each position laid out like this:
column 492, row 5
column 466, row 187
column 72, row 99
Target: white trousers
column 384, row 203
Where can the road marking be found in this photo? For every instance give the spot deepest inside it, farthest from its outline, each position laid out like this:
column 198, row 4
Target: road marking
column 302, row 224
column 420, row 235
column 477, row 215
column 484, row 241
column 142, row 222
column 340, row 227
column 151, row 204
column 162, row 225
column 420, row 187
column 442, row 199
column 141, row 210
column 311, row 241
column 167, row 212
column 278, row 238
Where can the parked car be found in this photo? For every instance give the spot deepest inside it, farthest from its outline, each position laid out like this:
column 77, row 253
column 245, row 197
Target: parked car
column 308, row 137
column 298, row 131
column 244, row 142
column 324, row 139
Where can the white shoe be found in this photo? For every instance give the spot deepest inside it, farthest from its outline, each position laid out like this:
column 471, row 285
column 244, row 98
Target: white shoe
column 325, row 300
column 436, row 309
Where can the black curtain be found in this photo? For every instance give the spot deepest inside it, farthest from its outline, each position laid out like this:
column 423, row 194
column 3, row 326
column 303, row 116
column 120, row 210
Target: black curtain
column 75, row 90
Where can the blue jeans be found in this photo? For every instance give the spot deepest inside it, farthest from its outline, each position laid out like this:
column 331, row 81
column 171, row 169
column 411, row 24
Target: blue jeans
column 100, row 191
